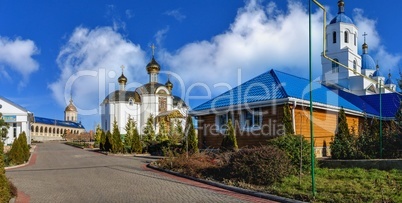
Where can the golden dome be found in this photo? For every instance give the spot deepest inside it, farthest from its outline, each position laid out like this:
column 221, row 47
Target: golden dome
column 365, row 46
column 153, row 66
column 71, row 107
column 169, row 85
column 122, row 79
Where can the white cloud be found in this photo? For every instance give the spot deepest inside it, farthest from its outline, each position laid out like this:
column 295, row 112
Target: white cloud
column 388, row 61
column 176, row 14
column 261, row 37
column 17, row 55
column 90, row 65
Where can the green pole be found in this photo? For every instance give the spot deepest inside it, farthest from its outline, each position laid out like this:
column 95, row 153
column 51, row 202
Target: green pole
column 380, row 121
column 311, row 104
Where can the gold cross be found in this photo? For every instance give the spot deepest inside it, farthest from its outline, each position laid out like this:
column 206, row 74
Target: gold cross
column 153, row 49
column 364, row 35
column 122, row 68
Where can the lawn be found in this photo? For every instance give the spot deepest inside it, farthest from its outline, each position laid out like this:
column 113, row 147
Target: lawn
column 332, row 185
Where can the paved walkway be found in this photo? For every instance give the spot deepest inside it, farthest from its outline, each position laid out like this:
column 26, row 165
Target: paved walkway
column 60, row 173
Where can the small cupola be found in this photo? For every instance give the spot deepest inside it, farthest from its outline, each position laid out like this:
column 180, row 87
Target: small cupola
column 122, row 80
column 153, row 68
column 169, row 85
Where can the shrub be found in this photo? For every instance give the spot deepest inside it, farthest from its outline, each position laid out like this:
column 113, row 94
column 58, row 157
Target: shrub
column 192, row 165
column 19, row 152
column 4, row 184
column 263, row 165
column 191, row 141
column 229, row 141
column 343, row 144
column 291, row 145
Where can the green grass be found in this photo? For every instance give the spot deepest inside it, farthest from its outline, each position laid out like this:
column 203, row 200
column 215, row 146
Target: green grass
column 343, row 185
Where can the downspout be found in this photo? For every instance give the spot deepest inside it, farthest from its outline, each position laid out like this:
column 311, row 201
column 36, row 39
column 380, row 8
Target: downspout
column 294, row 117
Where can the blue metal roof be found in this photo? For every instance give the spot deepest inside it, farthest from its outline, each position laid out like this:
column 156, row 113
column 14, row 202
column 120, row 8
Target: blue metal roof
column 389, row 81
column 274, row 85
column 341, row 18
column 49, row 121
column 378, row 73
column 368, row 62
column 298, row 87
column 390, row 103
column 261, row 88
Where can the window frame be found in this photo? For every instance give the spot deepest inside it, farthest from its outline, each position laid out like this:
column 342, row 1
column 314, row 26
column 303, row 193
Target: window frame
column 222, row 127
column 254, row 116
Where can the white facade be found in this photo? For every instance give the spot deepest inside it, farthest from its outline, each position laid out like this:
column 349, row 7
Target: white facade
column 152, row 98
column 18, row 118
column 363, row 76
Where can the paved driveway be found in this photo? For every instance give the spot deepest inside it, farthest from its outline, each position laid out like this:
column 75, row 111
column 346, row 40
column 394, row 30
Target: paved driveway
column 60, row 173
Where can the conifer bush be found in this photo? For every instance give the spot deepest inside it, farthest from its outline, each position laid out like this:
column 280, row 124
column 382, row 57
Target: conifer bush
column 19, row 152
column 229, row 141
column 4, row 184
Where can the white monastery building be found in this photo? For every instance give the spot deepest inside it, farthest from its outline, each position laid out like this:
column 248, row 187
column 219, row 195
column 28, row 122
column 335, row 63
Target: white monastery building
column 153, row 98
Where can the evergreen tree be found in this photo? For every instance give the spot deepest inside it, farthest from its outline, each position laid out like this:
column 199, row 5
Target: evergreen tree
column 22, row 138
column 102, row 141
column 229, row 141
column 367, row 144
column 117, row 144
column 342, row 146
column 287, row 120
column 108, row 142
column 192, row 140
column 176, row 132
column 128, row 139
column 136, row 145
column 163, row 134
column 16, row 154
column 4, row 185
column 149, row 132
column 98, row 135
column 3, row 128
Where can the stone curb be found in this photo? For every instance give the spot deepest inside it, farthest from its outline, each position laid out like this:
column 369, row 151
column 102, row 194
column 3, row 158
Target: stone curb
column 33, row 147
column 227, row 187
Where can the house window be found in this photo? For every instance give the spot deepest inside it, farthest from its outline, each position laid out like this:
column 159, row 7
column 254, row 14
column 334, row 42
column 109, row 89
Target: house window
column 222, row 121
column 335, row 66
column 334, row 37
column 251, row 118
column 346, row 37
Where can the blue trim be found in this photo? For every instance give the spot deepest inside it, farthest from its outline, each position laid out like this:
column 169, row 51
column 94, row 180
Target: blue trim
column 55, row 122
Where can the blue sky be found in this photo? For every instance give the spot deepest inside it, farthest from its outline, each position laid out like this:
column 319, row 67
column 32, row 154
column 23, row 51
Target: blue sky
column 49, row 49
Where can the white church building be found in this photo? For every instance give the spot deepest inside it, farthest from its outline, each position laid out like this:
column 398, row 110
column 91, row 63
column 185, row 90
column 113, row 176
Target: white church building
column 153, row 98
column 363, row 76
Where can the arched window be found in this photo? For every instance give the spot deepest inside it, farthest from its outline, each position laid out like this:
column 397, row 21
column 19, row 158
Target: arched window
column 354, row 65
column 68, row 118
column 45, row 129
column 335, row 66
column 32, row 128
column 130, row 101
column 334, row 37
column 346, row 37
column 41, row 129
column 37, row 129
column 355, row 39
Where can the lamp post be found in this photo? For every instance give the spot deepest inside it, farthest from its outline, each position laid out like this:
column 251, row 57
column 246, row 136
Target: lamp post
column 311, row 104
column 380, row 119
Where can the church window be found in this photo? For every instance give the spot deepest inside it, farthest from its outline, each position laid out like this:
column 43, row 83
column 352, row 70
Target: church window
column 162, row 104
column 334, row 37
column 251, row 118
column 354, row 65
column 68, row 118
column 346, row 37
column 130, row 101
column 335, row 66
column 355, row 39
